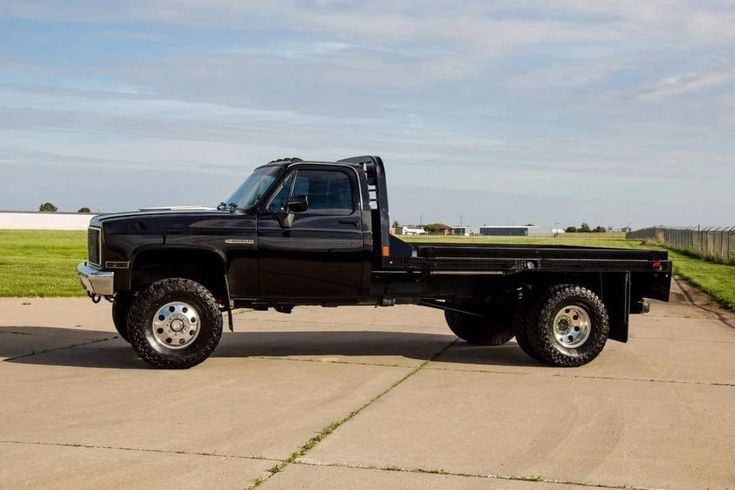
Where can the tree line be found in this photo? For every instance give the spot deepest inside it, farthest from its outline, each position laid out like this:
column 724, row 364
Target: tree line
column 585, row 228
column 48, row 207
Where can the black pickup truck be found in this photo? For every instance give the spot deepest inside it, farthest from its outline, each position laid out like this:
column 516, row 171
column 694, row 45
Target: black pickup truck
column 317, row 233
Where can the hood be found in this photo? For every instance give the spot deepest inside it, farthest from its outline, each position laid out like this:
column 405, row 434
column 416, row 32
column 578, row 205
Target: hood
column 163, row 220
column 178, row 208
column 154, row 212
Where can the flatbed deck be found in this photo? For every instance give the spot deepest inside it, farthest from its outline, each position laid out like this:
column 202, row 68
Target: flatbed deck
column 510, row 259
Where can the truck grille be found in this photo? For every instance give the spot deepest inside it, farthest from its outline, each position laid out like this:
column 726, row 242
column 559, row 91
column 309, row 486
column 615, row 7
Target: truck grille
column 93, row 246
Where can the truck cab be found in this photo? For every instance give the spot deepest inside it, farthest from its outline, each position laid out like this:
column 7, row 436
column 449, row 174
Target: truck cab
column 314, row 239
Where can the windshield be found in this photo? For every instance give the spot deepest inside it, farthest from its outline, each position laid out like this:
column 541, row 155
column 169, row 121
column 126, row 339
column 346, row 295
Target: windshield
column 250, row 192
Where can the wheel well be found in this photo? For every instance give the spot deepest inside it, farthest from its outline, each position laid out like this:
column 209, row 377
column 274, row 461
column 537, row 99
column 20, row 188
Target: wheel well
column 202, row 266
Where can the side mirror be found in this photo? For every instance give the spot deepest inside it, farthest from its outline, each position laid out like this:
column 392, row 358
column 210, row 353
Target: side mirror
column 298, row 204
column 285, row 219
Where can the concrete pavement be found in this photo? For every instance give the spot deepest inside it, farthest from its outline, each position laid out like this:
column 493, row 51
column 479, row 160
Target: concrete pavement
column 361, row 397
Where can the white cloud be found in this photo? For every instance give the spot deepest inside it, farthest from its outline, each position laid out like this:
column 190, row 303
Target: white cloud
column 547, row 99
column 689, row 83
column 472, row 22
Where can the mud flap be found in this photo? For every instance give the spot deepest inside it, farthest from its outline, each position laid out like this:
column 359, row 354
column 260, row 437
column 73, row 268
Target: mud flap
column 616, row 295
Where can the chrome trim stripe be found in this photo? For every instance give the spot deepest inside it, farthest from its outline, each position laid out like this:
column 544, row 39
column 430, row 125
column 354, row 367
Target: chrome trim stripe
column 111, row 264
column 239, row 241
column 468, row 273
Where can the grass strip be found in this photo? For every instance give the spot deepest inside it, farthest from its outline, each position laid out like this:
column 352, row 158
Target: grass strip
column 41, row 263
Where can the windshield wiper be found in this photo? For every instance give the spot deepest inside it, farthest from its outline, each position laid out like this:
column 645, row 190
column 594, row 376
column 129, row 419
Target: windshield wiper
column 222, row 206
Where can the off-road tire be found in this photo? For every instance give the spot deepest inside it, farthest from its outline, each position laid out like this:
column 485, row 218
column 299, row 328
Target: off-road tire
column 489, row 330
column 535, row 329
column 140, row 323
column 120, row 309
column 521, row 321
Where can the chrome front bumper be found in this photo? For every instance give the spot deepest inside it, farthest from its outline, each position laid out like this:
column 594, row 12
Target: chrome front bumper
column 95, row 281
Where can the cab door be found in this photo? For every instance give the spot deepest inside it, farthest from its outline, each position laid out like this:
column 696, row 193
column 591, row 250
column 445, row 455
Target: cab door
column 321, row 254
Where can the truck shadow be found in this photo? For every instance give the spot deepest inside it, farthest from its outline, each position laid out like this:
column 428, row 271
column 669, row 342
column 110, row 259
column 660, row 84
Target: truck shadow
column 103, row 349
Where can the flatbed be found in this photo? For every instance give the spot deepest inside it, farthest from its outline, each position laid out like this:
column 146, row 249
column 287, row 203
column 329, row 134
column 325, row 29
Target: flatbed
column 512, row 259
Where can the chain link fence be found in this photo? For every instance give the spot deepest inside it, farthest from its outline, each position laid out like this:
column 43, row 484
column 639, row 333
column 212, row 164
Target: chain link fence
column 713, row 243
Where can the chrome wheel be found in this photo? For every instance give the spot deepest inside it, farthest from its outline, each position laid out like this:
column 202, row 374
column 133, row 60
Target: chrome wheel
column 572, row 326
column 176, row 325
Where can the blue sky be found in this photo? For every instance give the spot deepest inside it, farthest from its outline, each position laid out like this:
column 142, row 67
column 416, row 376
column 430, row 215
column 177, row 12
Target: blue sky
column 611, row 112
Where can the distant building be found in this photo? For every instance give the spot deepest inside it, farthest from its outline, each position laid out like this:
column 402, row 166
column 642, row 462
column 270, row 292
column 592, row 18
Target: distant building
column 34, row 220
column 465, row 230
column 442, row 229
column 507, row 230
column 544, row 231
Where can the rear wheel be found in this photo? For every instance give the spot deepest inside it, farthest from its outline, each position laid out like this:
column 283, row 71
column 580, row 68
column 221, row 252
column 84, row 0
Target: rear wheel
column 174, row 324
column 568, row 326
column 520, row 326
column 480, row 330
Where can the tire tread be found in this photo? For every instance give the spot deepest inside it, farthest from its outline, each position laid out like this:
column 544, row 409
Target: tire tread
column 531, row 327
column 158, row 293
column 479, row 331
column 120, row 310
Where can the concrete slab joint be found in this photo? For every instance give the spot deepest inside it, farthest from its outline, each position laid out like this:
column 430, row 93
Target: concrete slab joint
column 365, row 398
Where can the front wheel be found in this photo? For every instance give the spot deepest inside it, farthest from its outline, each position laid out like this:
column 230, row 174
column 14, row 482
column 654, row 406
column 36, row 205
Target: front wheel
column 568, row 326
column 480, row 330
column 174, row 324
column 120, row 309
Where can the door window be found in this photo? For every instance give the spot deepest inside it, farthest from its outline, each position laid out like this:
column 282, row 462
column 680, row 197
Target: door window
column 328, row 192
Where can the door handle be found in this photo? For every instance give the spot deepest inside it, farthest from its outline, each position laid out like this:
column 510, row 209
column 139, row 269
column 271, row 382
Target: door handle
column 348, row 222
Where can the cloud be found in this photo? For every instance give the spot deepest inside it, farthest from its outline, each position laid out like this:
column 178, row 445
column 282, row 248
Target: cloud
column 473, row 23
column 536, row 100
column 689, row 83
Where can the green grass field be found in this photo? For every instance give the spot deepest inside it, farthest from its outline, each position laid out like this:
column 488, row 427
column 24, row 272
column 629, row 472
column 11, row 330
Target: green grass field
column 43, row 263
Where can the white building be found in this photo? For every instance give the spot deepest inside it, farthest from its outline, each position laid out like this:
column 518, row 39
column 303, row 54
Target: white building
column 464, row 230
column 33, row 220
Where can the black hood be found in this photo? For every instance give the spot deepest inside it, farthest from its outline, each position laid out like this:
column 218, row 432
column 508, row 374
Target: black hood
column 147, row 213
column 164, row 221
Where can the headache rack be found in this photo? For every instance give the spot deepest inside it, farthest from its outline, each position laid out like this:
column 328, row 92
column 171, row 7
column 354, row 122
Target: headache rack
column 378, row 190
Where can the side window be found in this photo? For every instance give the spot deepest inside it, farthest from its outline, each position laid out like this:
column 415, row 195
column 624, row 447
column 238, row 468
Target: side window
column 278, row 203
column 328, row 192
